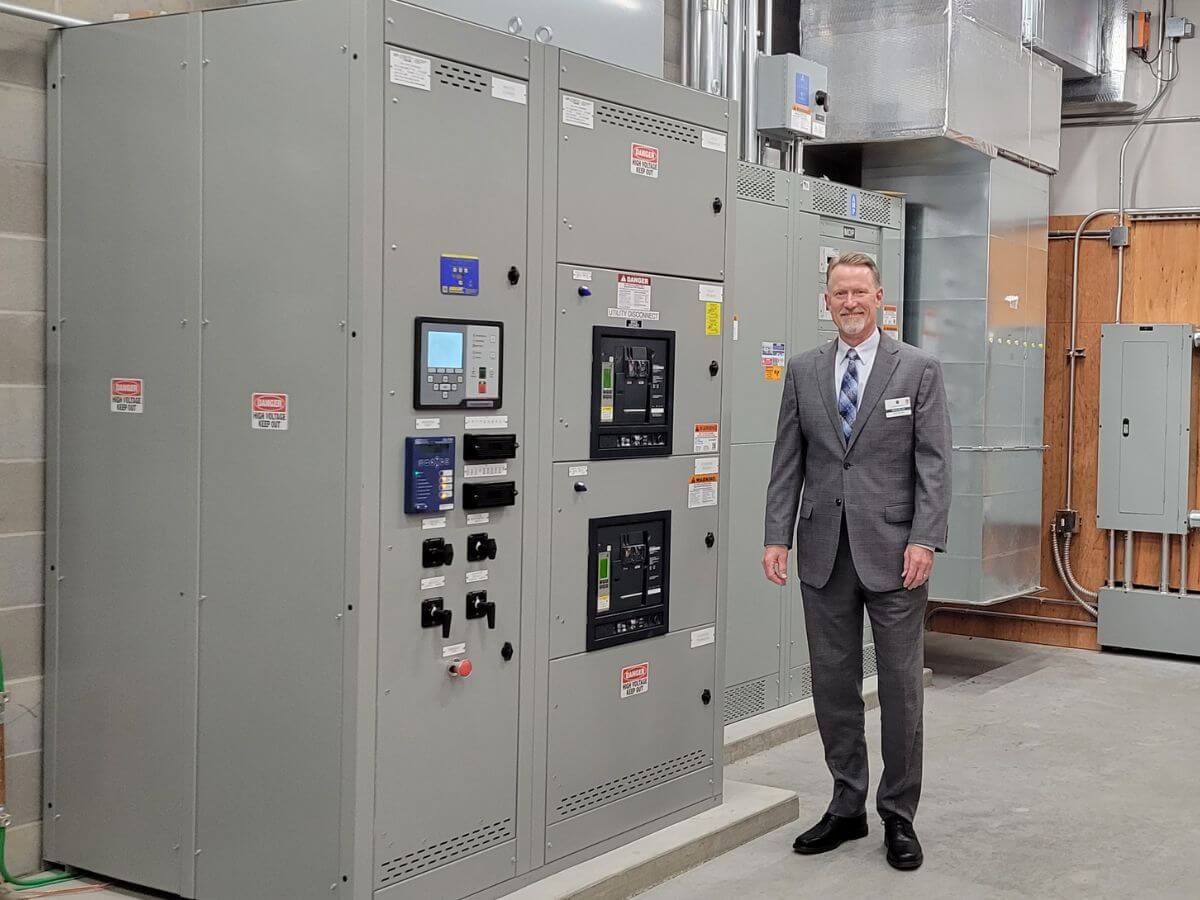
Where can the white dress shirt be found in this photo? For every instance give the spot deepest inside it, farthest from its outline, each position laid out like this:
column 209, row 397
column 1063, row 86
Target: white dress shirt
column 866, row 359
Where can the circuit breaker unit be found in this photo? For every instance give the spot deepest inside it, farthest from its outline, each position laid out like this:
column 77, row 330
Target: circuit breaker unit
column 788, row 228
column 421, row 442
column 793, row 97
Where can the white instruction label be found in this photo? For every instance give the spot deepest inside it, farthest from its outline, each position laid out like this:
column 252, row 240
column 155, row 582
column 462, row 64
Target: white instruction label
column 801, row 121
column 480, row 422
column 706, row 438
column 823, row 312
column 479, row 518
column 713, row 140
column 480, row 575
column 437, row 581
column 707, row 465
column 827, row 253
column 819, row 126
column 269, row 412
column 712, row 293
column 577, row 471
column 428, row 424
column 643, row 160
column 633, row 291
column 430, row 524
column 411, row 71
column 577, row 111
column 581, row 274
column 512, row 91
column 635, row 680
column 646, row 315
column 127, row 395
column 702, row 637
column 489, row 470
column 453, row 650
column 702, row 491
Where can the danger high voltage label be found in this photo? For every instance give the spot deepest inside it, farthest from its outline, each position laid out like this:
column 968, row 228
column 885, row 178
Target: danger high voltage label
column 269, row 412
column 635, row 680
column 126, row 395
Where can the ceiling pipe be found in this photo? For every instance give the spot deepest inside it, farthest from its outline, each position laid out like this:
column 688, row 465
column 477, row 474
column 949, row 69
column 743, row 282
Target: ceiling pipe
column 38, row 15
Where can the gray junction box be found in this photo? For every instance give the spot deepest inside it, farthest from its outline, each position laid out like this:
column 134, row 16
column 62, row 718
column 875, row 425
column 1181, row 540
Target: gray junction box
column 328, row 542
column 788, row 227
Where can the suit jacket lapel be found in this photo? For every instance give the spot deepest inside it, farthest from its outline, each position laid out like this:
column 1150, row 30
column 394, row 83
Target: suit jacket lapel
column 886, row 361
column 826, row 367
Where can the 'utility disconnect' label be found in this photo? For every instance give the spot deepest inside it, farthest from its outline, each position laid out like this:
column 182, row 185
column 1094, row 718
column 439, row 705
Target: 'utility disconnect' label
column 127, row 395
column 646, row 315
column 269, row 412
column 410, row 71
column 635, row 680
column 643, row 160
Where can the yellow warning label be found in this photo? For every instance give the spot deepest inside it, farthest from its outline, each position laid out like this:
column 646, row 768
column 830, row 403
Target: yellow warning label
column 712, row 319
column 772, row 373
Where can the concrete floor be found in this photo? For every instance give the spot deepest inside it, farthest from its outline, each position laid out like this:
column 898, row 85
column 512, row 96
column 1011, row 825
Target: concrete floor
column 1048, row 773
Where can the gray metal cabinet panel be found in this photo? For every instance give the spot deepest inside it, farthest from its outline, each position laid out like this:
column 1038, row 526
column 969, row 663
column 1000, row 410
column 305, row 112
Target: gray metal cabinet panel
column 755, row 605
column 460, row 767
column 1145, row 421
column 761, row 308
column 275, row 289
column 697, row 392
column 605, row 747
column 610, row 216
column 406, row 25
column 627, row 487
column 121, row 589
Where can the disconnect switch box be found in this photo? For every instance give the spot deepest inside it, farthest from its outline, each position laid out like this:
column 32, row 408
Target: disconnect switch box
column 1145, row 427
column 793, row 97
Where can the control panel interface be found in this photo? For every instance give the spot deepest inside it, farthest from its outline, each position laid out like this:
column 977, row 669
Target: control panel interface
column 459, row 363
column 428, row 474
column 628, row 578
column 633, row 375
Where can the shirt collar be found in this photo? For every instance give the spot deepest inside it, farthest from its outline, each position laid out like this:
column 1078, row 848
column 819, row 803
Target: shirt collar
column 864, row 349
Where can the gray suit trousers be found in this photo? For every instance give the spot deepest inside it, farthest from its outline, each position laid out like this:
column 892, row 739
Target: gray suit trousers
column 834, row 619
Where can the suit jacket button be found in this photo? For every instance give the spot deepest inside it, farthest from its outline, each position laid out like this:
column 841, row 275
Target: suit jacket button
column 845, row 465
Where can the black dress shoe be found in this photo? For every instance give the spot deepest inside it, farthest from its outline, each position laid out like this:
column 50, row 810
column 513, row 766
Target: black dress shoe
column 830, row 833
column 903, row 848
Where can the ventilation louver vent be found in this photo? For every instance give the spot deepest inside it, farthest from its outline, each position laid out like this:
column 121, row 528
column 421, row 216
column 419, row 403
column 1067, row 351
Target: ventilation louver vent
column 830, row 198
column 875, row 208
column 632, row 783
column 462, row 77
column 803, row 690
column 447, row 851
column 754, row 183
column 745, row 700
column 870, row 664
column 645, row 123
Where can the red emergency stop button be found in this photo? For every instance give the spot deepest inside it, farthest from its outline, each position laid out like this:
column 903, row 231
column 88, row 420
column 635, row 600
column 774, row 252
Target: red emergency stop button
column 461, row 668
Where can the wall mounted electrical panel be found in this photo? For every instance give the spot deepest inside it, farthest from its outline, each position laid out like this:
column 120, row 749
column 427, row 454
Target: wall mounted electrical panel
column 788, row 227
column 1146, row 411
column 489, row 499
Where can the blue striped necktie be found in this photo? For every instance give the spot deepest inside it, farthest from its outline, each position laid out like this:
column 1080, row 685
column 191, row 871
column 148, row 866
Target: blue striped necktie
column 848, row 394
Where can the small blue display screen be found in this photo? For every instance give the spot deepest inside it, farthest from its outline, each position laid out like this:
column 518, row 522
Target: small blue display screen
column 445, row 350
column 802, row 90
column 460, row 275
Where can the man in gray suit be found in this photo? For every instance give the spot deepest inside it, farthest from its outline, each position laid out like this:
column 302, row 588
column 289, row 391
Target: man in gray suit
column 863, row 455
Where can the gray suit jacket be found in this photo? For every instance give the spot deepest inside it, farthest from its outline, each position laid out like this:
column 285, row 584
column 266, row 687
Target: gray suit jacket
column 891, row 479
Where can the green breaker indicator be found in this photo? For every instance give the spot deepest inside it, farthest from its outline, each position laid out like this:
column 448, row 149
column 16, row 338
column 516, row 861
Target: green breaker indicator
column 603, row 582
column 606, row 390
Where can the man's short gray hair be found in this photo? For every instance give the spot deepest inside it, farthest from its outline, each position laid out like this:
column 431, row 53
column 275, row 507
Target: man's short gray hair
column 854, row 259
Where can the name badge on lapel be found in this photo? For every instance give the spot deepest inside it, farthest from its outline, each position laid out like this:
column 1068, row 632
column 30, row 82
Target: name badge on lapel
column 899, row 406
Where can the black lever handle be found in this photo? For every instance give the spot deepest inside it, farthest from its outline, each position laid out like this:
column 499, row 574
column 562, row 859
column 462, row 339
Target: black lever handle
column 514, row 275
column 434, row 614
column 709, row 540
column 1125, row 428
column 713, row 368
column 580, row 487
column 479, row 606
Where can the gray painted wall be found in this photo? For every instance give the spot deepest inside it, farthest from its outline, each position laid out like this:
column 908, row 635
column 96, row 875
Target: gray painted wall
column 1158, row 165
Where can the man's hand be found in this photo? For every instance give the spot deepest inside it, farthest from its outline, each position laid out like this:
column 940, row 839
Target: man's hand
column 775, row 563
column 918, row 563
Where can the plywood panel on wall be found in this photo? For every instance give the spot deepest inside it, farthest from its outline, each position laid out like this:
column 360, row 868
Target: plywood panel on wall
column 1162, row 284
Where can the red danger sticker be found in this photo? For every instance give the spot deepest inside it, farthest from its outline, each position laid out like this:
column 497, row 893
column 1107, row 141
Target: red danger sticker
column 643, row 160
column 269, row 412
column 126, row 395
column 635, row 680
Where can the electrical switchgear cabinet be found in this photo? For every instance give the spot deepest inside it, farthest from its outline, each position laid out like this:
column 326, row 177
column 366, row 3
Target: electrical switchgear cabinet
column 290, row 638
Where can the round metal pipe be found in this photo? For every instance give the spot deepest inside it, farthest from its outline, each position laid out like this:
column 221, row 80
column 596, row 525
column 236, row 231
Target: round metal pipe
column 38, row 15
column 1183, row 564
column 1128, row 585
column 768, row 28
column 685, row 42
column 1112, row 558
column 993, row 614
column 1164, row 560
column 735, row 17
column 1106, row 123
column 710, row 67
column 749, row 84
